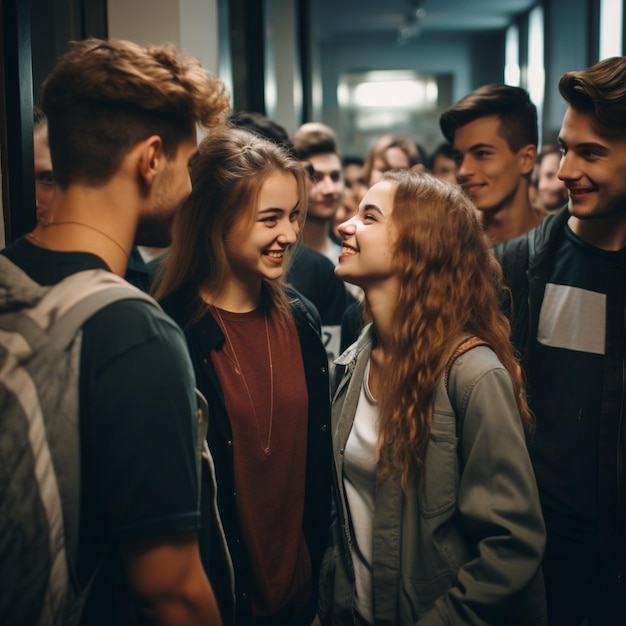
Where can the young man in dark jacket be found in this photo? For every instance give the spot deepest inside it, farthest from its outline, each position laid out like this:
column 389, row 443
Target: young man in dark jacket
column 568, row 282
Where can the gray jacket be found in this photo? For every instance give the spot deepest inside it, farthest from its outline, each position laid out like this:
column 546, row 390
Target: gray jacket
column 467, row 547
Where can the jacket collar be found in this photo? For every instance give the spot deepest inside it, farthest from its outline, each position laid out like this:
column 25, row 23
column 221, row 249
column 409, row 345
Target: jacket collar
column 349, row 356
column 302, row 311
column 541, row 239
column 181, row 307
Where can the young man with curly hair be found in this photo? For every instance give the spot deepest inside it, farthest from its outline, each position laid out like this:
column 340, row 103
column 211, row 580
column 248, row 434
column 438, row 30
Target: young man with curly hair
column 122, row 128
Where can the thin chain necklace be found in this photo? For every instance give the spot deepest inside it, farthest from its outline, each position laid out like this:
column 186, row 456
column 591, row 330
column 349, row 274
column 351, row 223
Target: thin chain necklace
column 48, row 224
column 267, row 449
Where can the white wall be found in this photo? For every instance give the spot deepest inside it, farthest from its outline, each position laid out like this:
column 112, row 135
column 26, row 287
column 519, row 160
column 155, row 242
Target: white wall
column 144, row 21
column 191, row 25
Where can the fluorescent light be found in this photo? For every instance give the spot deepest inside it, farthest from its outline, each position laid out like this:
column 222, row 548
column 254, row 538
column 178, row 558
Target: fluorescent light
column 394, row 94
column 511, row 63
column 610, row 28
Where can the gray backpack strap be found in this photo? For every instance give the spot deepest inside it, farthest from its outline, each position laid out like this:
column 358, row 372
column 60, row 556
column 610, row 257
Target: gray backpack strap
column 17, row 290
column 47, row 321
column 75, row 300
column 69, row 304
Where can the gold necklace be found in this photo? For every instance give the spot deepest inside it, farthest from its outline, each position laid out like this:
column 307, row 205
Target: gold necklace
column 48, row 224
column 267, row 450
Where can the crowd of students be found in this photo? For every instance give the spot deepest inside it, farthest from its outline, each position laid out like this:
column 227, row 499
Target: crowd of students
column 413, row 367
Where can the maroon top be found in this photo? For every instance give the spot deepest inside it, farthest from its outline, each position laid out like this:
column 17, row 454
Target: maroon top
column 269, row 466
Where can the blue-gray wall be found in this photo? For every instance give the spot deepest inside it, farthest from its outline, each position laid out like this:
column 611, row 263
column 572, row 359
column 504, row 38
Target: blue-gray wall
column 566, row 49
column 471, row 60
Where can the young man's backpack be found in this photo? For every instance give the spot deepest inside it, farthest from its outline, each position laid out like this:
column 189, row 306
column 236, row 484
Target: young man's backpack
column 40, row 345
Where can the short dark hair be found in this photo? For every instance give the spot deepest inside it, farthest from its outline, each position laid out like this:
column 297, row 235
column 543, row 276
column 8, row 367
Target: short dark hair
column 443, row 149
column 103, row 97
column 512, row 105
column 599, row 90
column 546, row 150
column 39, row 118
column 314, row 138
column 351, row 159
column 263, row 126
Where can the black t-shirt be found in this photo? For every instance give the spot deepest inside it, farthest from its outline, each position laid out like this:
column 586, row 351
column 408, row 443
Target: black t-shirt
column 313, row 275
column 566, row 383
column 141, row 273
column 139, row 477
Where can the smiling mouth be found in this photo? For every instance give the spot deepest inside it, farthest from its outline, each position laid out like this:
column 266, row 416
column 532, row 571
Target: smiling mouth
column 581, row 191
column 327, row 204
column 471, row 189
column 346, row 250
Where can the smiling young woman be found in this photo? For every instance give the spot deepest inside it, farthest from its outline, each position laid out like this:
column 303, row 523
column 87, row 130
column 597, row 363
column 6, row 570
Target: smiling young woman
column 260, row 363
column 439, row 518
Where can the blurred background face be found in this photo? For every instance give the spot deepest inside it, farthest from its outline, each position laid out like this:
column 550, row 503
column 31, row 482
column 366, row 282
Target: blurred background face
column 346, row 210
column 353, row 178
column 43, row 171
column 325, row 186
column 444, row 168
column 552, row 191
column 393, row 158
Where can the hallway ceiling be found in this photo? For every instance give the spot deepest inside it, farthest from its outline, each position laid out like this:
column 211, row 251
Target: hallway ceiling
column 341, row 19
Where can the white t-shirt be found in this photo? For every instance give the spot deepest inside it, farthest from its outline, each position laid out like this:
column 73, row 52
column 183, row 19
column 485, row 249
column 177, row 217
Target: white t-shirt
column 359, row 478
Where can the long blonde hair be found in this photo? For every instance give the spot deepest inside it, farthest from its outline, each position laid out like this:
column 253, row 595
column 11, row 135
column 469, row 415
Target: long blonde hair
column 450, row 284
column 227, row 174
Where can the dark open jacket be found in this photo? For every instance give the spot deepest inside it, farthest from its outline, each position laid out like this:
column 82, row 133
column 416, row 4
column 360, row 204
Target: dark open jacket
column 202, row 337
column 526, row 262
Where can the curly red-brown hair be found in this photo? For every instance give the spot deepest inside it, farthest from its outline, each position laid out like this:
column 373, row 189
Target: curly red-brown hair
column 451, row 284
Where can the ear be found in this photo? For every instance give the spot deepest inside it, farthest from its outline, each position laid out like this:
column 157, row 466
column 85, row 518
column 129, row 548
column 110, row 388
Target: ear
column 527, row 157
column 150, row 158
